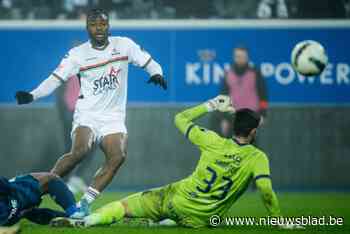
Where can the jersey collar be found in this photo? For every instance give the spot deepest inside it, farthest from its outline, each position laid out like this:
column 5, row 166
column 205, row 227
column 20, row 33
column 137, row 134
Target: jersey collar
column 238, row 143
column 100, row 48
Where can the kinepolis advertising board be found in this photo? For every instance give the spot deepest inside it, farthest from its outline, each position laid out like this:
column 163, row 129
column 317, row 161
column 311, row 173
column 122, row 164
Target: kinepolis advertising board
column 193, row 59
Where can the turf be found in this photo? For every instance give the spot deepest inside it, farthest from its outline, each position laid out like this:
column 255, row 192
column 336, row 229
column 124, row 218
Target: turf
column 292, row 204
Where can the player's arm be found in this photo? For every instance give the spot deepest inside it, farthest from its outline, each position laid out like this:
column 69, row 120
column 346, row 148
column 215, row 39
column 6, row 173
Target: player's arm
column 141, row 58
column 196, row 134
column 68, row 67
column 264, row 185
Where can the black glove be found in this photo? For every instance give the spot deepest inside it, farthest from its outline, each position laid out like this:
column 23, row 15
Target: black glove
column 24, row 97
column 158, row 80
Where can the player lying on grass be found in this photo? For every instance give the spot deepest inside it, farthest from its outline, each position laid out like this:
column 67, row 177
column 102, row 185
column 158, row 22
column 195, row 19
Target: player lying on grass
column 20, row 197
column 224, row 171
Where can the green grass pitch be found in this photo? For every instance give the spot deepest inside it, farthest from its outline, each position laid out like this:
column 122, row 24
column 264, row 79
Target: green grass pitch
column 292, row 204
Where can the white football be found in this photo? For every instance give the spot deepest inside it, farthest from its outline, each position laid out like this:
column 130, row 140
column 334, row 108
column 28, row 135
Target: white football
column 309, row 58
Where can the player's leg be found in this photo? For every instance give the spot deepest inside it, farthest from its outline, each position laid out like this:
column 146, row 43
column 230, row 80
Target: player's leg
column 77, row 181
column 42, row 216
column 114, row 148
column 146, row 204
column 140, row 205
column 130, row 207
column 58, row 191
column 109, row 213
column 82, row 143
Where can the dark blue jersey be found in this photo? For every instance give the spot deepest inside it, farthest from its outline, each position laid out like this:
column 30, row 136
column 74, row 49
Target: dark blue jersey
column 17, row 196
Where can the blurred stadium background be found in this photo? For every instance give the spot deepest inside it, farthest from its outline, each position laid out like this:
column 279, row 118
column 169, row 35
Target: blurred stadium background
column 306, row 134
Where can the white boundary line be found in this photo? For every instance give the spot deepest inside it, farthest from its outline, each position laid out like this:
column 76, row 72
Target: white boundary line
column 181, row 24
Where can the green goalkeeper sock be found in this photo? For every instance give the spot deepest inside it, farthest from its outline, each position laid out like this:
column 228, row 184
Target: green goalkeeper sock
column 108, row 214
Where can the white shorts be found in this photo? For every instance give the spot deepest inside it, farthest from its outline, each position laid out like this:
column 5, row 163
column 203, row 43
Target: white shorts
column 100, row 125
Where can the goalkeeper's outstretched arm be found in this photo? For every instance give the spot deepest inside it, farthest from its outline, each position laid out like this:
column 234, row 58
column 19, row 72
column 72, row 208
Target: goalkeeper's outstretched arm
column 183, row 120
column 263, row 183
column 271, row 202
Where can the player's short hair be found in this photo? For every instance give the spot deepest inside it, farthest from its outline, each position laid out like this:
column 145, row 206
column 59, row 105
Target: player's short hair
column 94, row 13
column 244, row 121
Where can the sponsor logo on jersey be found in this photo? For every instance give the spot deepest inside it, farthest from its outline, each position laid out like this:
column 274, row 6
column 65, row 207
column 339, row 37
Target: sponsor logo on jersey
column 107, row 82
column 91, row 58
column 115, row 52
column 236, row 159
column 14, row 209
column 193, row 194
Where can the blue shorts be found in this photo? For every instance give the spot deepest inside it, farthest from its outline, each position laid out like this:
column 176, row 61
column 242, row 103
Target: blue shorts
column 27, row 191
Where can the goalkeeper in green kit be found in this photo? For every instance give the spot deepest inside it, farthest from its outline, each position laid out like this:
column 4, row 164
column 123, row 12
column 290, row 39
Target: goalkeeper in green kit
column 224, row 171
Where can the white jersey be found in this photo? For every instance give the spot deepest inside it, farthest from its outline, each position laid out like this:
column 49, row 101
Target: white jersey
column 103, row 74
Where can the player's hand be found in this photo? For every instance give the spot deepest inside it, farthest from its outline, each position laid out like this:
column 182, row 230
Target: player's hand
column 158, row 80
column 24, row 97
column 290, row 226
column 220, row 103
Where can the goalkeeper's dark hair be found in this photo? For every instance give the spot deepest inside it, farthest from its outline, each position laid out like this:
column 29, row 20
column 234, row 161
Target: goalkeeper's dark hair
column 244, row 121
column 95, row 13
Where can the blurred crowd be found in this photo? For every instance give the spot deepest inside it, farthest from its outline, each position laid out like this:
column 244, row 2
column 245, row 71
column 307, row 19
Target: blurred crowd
column 176, row 9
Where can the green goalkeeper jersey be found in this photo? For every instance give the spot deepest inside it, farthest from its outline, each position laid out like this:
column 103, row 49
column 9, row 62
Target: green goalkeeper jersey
column 223, row 173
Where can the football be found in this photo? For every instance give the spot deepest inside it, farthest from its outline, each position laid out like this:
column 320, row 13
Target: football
column 309, row 58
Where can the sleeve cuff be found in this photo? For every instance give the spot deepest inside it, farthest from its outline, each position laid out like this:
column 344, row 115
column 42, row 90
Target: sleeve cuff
column 189, row 130
column 58, row 77
column 262, row 176
column 146, row 63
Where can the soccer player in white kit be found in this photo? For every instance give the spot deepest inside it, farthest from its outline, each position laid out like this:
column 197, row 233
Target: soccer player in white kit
column 102, row 67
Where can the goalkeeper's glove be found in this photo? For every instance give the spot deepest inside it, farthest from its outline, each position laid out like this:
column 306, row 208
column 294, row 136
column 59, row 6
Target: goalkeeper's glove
column 158, row 80
column 24, row 97
column 220, row 103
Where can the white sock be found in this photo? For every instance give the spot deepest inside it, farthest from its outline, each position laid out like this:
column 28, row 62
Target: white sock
column 90, row 195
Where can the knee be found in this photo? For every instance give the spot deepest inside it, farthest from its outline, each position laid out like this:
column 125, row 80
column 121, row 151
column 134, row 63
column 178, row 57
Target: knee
column 51, row 176
column 116, row 160
column 78, row 152
column 45, row 179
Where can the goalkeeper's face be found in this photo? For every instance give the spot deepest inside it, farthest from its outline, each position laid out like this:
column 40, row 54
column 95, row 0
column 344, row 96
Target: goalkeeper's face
column 98, row 28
